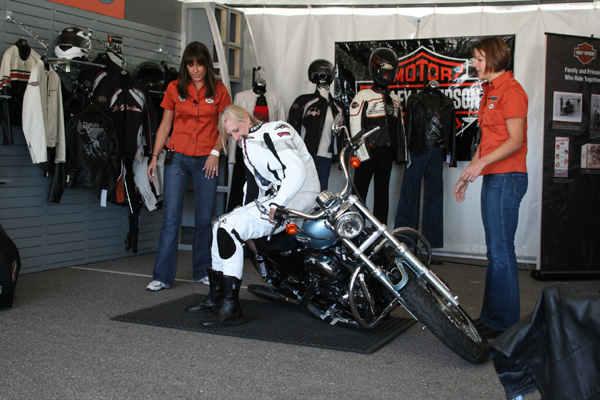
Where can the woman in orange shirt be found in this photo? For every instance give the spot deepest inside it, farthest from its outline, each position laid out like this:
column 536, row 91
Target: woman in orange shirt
column 500, row 158
column 192, row 106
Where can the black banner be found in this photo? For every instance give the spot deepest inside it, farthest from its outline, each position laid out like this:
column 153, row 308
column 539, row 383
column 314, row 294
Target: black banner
column 445, row 60
column 570, row 237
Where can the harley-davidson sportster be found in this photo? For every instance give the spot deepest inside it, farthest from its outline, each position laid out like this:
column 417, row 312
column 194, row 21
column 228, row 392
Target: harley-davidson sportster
column 345, row 266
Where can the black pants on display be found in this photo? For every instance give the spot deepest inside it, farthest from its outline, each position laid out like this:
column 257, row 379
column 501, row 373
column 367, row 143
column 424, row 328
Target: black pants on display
column 379, row 167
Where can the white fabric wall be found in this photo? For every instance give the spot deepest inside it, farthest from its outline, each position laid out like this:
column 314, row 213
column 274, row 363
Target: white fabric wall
column 286, row 44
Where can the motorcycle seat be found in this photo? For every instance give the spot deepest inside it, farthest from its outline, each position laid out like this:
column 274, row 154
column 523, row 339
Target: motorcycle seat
column 279, row 242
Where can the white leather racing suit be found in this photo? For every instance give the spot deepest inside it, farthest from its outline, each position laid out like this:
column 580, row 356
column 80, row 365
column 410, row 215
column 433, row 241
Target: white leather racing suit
column 285, row 174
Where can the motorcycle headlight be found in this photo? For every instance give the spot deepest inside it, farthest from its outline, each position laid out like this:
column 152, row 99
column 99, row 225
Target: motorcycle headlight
column 349, row 225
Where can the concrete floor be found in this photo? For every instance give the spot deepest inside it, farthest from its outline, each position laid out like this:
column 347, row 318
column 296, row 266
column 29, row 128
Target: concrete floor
column 58, row 342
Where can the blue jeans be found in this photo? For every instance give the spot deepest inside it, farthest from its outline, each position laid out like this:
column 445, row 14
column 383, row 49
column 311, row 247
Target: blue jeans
column 176, row 180
column 427, row 166
column 323, row 165
column 501, row 196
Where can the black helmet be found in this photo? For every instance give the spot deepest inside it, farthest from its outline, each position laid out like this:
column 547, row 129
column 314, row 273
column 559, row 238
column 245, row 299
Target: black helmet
column 320, row 71
column 73, row 43
column 151, row 73
column 383, row 66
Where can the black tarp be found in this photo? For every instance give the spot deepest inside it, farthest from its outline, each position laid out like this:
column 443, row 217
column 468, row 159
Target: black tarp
column 10, row 264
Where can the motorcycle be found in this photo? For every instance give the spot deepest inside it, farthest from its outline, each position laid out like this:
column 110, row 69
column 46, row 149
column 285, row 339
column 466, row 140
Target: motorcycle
column 345, row 266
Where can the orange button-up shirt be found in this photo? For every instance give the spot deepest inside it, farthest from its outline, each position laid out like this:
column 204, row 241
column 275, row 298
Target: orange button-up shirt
column 196, row 118
column 503, row 98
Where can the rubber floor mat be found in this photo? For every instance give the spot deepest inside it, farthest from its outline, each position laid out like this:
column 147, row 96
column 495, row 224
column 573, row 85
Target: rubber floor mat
column 264, row 320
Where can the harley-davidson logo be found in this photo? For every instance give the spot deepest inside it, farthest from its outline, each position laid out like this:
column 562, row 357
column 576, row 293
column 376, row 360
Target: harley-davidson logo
column 424, row 65
column 584, row 53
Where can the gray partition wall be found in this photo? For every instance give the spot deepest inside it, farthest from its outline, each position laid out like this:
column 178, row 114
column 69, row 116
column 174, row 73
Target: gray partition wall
column 78, row 230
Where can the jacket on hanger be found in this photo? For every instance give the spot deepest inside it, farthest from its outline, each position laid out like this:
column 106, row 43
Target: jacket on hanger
column 17, row 63
column 247, row 100
column 307, row 116
column 416, row 122
column 134, row 118
column 43, row 119
column 93, row 151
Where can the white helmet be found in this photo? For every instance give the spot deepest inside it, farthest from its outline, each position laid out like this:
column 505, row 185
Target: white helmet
column 73, row 43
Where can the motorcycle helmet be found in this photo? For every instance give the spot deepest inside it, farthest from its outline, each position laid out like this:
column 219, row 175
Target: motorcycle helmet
column 383, row 66
column 152, row 74
column 320, row 71
column 73, row 43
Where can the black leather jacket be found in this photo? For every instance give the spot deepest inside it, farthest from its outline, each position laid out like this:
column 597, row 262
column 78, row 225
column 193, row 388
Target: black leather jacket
column 555, row 349
column 307, row 117
column 92, row 151
column 416, row 122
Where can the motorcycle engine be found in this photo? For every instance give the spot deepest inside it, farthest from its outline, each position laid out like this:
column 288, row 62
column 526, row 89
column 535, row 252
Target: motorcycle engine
column 324, row 267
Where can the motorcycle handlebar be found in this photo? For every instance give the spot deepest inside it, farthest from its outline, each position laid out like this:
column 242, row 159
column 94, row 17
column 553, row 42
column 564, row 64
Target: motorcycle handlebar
column 282, row 214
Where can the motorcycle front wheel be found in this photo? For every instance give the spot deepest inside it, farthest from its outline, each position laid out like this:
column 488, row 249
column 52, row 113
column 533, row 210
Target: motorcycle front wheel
column 449, row 323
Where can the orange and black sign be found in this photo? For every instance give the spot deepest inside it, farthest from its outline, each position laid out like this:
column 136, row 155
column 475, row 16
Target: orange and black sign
column 112, row 8
column 421, row 61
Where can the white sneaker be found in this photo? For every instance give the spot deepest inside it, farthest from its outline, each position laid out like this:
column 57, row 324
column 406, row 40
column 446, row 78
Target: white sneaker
column 155, row 286
column 204, row 281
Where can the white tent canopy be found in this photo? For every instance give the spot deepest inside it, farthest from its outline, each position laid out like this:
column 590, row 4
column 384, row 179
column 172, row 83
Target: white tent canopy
column 287, row 40
column 377, row 3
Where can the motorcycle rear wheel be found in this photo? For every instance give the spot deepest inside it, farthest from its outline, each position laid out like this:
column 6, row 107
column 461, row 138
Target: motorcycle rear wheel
column 449, row 323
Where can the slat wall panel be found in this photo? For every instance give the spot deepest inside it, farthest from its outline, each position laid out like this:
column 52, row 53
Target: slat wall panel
column 78, row 230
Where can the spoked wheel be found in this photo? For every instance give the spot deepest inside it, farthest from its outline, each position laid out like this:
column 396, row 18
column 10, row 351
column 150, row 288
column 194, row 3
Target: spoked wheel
column 449, row 323
column 363, row 303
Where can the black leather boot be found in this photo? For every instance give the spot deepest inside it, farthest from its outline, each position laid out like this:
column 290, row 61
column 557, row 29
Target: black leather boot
column 215, row 294
column 229, row 311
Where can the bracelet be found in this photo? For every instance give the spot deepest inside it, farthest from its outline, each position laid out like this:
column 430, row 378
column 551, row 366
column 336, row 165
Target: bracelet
column 154, row 155
column 215, row 153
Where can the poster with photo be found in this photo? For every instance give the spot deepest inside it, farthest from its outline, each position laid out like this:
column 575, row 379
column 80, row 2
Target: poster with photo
column 595, row 113
column 561, row 157
column 570, row 239
column 567, row 107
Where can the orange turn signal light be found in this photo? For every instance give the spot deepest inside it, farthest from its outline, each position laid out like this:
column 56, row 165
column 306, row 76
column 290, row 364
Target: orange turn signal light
column 291, row 228
column 354, row 162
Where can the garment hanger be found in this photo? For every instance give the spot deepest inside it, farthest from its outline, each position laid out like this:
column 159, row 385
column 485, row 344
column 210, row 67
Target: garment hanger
column 44, row 59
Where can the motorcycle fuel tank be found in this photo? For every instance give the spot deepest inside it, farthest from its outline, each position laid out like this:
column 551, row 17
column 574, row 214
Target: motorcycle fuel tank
column 316, row 235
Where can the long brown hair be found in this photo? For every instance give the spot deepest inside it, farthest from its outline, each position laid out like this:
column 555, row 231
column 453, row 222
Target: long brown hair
column 196, row 51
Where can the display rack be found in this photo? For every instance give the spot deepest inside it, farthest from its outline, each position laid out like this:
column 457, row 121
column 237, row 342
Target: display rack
column 169, row 55
column 68, row 62
column 107, row 47
column 9, row 18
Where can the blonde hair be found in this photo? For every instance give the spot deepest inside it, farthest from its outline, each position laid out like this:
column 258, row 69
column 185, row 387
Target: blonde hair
column 234, row 113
